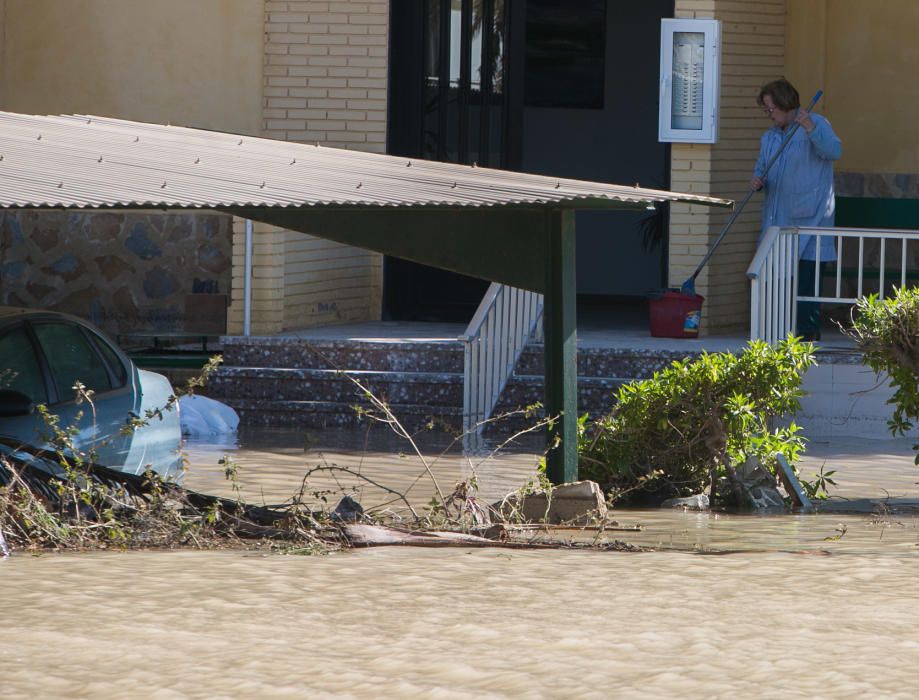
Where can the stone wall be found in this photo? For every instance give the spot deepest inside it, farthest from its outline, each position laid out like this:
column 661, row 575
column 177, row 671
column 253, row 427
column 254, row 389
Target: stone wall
column 882, row 185
column 123, row 271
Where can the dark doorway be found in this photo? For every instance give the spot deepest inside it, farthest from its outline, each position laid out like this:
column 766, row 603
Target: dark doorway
column 556, row 87
column 447, row 102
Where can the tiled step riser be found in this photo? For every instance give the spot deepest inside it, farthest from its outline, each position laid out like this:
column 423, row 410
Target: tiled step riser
column 604, row 363
column 288, row 382
column 327, row 415
column 385, row 357
column 427, row 357
column 412, row 418
column 395, row 388
column 594, row 395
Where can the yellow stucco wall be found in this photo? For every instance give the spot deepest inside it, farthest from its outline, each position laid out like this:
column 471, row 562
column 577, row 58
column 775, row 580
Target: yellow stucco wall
column 189, row 62
column 864, row 55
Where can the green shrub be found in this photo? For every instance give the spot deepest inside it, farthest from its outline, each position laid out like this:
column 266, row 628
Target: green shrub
column 887, row 332
column 673, row 434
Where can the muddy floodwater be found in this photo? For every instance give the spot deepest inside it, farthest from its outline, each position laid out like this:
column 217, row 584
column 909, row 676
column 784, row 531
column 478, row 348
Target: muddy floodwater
column 788, row 605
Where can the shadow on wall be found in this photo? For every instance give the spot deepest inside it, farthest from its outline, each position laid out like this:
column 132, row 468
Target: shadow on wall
column 122, row 271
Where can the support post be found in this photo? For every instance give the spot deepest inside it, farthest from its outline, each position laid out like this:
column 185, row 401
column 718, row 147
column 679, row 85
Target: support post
column 560, row 348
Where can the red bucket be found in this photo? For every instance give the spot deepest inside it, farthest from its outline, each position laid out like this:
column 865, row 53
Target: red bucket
column 675, row 315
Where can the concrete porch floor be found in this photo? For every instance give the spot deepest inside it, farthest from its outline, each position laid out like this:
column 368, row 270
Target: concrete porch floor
column 591, row 334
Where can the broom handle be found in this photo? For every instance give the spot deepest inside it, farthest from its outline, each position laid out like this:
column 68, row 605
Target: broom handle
column 743, row 202
column 724, row 231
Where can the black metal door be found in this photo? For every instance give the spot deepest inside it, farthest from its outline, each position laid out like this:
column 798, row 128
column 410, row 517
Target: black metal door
column 447, row 103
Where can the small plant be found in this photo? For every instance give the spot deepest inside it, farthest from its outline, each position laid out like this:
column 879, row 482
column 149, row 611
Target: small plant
column 818, row 489
column 687, row 426
column 231, row 472
column 887, row 332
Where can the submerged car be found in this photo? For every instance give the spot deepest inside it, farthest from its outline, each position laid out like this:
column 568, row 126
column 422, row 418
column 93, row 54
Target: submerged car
column 43, row 354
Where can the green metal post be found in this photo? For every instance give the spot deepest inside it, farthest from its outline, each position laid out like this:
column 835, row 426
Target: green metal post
column 560, row 328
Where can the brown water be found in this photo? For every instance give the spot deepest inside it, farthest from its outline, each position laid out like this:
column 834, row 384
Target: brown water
column 792, row 614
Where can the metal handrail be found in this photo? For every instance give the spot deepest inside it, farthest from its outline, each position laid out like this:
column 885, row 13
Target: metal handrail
column 504, row 322
column 774, row 269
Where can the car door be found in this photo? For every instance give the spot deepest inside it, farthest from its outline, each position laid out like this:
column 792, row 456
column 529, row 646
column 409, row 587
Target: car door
column 22, row 370
column 72, row 355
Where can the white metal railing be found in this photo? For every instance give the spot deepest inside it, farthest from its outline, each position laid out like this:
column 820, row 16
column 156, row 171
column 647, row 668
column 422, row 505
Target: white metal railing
column 861, row 253
column 505, row 321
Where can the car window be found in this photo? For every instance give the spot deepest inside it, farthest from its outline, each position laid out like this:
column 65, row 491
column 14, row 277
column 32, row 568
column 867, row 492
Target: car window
column 114, row 361
column 19, row 369
column 71, row 358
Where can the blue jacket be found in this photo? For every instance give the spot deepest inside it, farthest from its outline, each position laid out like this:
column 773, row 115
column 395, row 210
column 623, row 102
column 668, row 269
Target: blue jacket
column 799, row 185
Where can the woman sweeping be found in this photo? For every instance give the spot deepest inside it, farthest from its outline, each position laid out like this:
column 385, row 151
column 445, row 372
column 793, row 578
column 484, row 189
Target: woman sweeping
column 799, row 186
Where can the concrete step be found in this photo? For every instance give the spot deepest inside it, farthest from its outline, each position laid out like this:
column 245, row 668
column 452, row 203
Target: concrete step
column 394, row 356
column 595, row 394
column 326, row 385
column 440, row 393
column 328, row 414
column 413, row 417
column 606, row 362
column 292, row 381
column 422, row 356
column 288, row 381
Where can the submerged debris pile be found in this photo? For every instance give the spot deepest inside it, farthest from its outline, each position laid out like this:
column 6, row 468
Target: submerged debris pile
column 63, row 500
column 50, row 504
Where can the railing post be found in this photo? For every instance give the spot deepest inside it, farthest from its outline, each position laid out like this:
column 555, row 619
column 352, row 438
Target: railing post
column 754, row 308
column 795, row 265
column 881, row 267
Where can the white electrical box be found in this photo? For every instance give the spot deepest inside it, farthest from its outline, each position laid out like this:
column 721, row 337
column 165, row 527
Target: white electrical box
column 690, row 80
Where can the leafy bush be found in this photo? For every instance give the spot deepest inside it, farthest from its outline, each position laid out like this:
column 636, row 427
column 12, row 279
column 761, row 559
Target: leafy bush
column 684, row 428
column 887, row 332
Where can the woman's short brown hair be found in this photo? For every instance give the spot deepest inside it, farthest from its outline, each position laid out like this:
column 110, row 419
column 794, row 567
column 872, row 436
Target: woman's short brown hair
column 783, row 94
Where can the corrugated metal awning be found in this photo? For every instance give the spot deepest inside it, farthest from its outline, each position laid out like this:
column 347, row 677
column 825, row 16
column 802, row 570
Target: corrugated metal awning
column 98, row 162
column 514, row 228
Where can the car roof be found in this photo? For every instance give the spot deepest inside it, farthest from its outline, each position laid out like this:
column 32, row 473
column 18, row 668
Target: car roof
column 12, row 312
column 9, row 315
